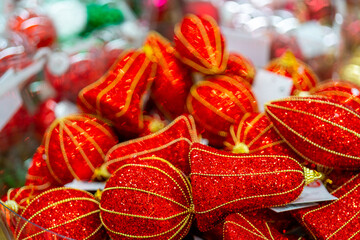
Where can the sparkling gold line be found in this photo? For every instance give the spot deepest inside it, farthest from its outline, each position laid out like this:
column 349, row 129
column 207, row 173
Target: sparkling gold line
column 251, row 124
column 354, row 235
column 240, row 127
column 342, row 186
column 339, row 229
column 266, row 146
column 260, row 135
column 270, row 233
column 244, row 174
column 252, row 232
column 233, row 137
column 242, row 216
column 206, row 39
column 94, row 232
column 217, row 35
column 349, row 96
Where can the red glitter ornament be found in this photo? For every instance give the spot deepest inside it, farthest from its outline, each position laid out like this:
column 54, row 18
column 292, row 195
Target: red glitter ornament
column 218, row 102
column 338, row 219
column 240, row 66
column 346, row 93
column 37, row 27
column 172, row 81
column 255, row 134
column 75, row 146
column 147, row 198
column 152, row 124
column 172, row 143
column 69, row 212
column 304, row 79
column 200, row 44
column 245, row 226
column 225, row 183
column 119, row 94
column 321, row 131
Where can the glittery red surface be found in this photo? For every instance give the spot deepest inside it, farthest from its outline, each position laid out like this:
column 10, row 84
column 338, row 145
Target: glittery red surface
column 220, row 101
column 338, row 219
column 172, row 81
column 75, row 146
column 149, row 121
column 225, row 183
column 320, row 130
column 338, row 178
column 246, row 226
column 257, row 132
column 198, row 39
column 60, row 206
column 44, row 116
column 172, row 143
column 119, row 94
column 287, row 65
column 346, row 93
column 241, row 66
column 37, row 27
column 147, row 198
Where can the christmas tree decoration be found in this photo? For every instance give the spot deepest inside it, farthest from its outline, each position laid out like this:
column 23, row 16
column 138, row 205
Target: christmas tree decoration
column 75, row 146
column 240, row 66
column 225, row 183
column 336, row 178
column 200, row 44
column 346, row 93
column 255, row 134
column 147, row 198
column 218, row 102
column 246, row 226
column 172, row 81
column 120, row 94
column 37, row 27
column 69, row 212
column 304, row 79
column 152, row 124
column 338, row 219
column 172, row 143
column 320, row 130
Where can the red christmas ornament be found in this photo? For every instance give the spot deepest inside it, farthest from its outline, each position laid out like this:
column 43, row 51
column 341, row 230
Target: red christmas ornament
column 240, row 66
column 225, row 183
column 338, row 219
column 218, row 102
column 255, row 134
column 172, row 81
column 119, row 94
column 152, row 124
column 200, row 44
column 172, row 143
column 245, row 226
column 304, row 79
column 68, row 212
column 75, row 146
column 147, row 198
column 37, row 27
column 321, row 131
column 346, row 93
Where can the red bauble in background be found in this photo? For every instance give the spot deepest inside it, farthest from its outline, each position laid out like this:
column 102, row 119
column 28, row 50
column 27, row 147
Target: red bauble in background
column 240, row 66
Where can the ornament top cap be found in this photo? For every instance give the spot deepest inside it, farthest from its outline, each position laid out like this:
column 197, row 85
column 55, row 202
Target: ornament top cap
column 311, row 175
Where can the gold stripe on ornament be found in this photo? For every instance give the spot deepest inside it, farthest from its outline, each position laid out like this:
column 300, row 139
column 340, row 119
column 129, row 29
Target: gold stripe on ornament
column 94, row 232
column 245, row 174
column 251, row 125
column 240, row 127
column 265, row 130
column 267, row 146
column 349, row 96
column 243, row 217
column 260, row 235
column 270, row 233
column 352, row 218
column 345, row 184
column 354, row 235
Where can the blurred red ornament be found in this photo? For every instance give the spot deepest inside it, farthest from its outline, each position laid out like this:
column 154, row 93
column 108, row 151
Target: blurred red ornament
column 120, row 94
column 200, row 44
column 172, row 143
column 304, row 79
column 346, row 93
column 321, row 10
column 38, row 28
column 319, row 130
column 147, row 198
column 75, row 146
column 200, row 7
column 218, row 102
column 225, row 183
column 111, row 52
column 281, row 43
column 255, row 134
column 240, row 66
column 172, row 81
column 69, row 212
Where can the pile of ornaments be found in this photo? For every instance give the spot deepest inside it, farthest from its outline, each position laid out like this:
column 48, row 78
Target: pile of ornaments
column 161, row 179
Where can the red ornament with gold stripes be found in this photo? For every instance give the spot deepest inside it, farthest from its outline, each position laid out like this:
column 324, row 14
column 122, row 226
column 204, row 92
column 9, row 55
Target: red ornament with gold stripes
column 346, row 93
column 255, row 134
column 246, row 226
column 68, row 212
column 338, row 219
column 303, row 77
column 172, row 143
column 200, row 44
column 240, row 66
column 320, row 130
column 147, row 198
column 75, row 146
column 225, row 183
column 172, row 81
column 119, row 95
column 218, row 102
